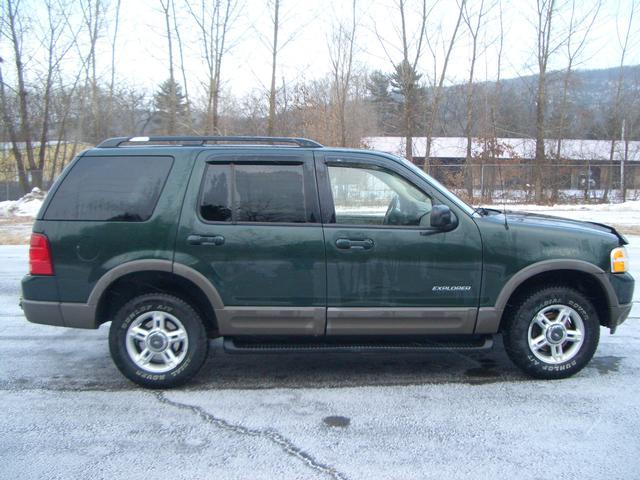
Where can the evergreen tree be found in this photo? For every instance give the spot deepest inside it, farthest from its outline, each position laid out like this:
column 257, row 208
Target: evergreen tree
column 171, row 108
column 386, row 107
column 405, row 83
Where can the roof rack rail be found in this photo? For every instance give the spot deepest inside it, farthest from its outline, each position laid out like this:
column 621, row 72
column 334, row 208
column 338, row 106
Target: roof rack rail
column 199, row 140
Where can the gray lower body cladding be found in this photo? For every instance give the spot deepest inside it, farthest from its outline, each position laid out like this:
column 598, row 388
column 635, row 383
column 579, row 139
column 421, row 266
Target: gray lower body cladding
column 345, row 321
column 311, row 321
column 60, row 314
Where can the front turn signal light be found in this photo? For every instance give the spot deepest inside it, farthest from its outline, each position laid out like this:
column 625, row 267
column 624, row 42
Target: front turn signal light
column 619, row 260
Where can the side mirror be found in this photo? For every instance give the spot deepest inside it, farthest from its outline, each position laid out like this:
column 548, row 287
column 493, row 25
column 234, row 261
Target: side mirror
column 441, row 217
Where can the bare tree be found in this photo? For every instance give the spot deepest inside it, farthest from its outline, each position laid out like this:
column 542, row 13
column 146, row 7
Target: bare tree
column 30, row 128
column 494, row 111
column 274, row 58
column 176, row 29
column 473, row 25
column 13, row 134
column 579, row 26
column 341, row 55
column 616, row 114
column 275, row 44
column 114, row 41
column 545, row 14
column 214, row 20
column 171, row 115
column 439, row 85
column 14, row 31
column 93, row 15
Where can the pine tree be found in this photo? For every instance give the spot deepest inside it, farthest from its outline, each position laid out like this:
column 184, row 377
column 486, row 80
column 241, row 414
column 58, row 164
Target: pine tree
column 171, row 108
column 379, row 88
column 405, row 82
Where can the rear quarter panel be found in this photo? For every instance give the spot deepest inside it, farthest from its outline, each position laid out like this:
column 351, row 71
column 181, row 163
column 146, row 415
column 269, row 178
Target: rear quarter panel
column 83, row 251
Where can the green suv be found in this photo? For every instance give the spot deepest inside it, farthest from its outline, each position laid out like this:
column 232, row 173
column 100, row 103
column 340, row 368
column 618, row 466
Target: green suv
column 282, row 245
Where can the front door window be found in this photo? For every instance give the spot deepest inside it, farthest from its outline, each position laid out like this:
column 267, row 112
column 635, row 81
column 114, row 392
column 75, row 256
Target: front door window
column 372, row 196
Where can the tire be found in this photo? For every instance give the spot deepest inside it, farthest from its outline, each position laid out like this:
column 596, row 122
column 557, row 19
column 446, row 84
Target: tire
column 158, row 341
column 553, row 332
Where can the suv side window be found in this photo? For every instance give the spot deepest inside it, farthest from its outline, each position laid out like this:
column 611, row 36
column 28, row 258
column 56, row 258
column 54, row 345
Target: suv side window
column 270, row 193
column 215, row 201
column 124, row 189
column 374, row 196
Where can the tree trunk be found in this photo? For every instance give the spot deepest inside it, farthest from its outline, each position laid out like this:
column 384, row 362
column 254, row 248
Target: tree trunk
column 473, row 30
column 172, row 121
column 540, row 158
column 15, row 147
column 182, row 68
column 545, row 13
column 274, row 54
column 26, row 132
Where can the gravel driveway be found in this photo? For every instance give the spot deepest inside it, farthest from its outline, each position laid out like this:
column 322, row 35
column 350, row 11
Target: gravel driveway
column 68, row 413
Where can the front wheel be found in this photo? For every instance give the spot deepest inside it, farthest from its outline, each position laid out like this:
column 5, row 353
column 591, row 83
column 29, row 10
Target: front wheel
column 158, row 341
column 553, row 333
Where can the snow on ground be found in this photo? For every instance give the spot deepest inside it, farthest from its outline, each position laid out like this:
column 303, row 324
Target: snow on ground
column 68, row 413
column 27, row 206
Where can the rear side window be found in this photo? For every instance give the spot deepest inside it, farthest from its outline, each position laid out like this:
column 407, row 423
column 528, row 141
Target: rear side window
column 262, row 193
column 110, row 189
column 215, row 203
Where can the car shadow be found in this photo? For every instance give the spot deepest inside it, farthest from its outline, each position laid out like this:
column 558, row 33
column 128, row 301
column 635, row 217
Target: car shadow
column 343, row 370
column 64, row 367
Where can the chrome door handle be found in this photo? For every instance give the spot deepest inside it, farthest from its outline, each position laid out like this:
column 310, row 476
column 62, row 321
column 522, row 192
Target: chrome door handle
column 205, row 240
column 347, row 243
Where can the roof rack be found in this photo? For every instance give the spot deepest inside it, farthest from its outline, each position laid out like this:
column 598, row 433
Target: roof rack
column 198, row 140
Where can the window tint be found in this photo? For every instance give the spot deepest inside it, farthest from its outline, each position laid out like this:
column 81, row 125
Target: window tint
column 215, row 204
column 370, row 196
column 110, row 188
column 270, row 193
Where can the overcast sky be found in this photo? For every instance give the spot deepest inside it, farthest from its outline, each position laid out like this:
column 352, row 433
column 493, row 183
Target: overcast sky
column 307, row 26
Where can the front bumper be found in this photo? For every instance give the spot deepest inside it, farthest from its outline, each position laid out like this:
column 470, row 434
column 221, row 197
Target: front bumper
column 617, row 315
column 623, row 285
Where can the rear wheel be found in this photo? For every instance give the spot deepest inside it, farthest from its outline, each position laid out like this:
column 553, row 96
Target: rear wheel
column 158, row 341
column 553, row 332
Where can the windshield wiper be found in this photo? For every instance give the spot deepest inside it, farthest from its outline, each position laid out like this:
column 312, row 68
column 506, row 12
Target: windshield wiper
column 481, row 211
column 484, row 211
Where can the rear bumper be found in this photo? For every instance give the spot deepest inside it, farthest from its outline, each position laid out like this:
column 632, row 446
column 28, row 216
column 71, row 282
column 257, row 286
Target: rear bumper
column 59, row 314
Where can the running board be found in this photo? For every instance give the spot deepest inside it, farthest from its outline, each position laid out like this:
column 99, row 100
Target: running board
column 315, row 345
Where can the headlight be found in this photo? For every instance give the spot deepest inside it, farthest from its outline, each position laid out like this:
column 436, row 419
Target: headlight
column 619, row 260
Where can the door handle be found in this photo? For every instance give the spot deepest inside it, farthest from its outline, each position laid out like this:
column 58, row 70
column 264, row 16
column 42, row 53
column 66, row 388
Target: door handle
column 205, row 240
column 347, row 243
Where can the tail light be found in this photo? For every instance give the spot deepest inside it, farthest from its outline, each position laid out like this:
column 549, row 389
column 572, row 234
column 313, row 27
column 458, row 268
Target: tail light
column 40, row 255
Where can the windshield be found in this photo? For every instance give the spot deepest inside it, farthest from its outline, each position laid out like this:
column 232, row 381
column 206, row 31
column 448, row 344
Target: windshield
column 441, row 188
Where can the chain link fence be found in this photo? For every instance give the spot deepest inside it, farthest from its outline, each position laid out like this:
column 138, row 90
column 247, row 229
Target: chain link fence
column 486, row 184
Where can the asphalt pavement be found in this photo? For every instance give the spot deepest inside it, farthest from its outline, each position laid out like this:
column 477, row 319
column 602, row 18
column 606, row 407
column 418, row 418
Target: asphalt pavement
column 68, row 413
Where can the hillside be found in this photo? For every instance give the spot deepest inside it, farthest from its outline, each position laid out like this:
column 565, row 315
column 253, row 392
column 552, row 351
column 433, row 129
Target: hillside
column 588, row 107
